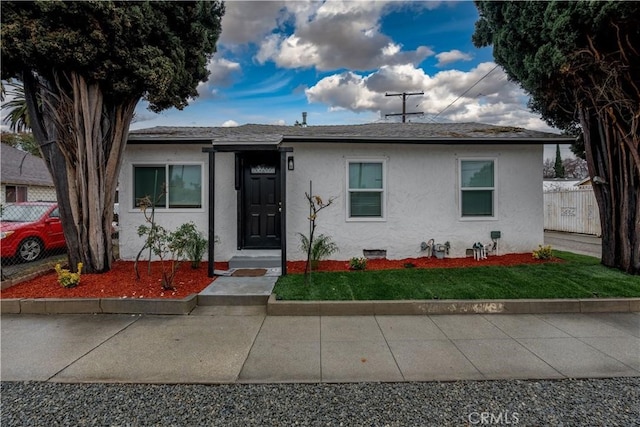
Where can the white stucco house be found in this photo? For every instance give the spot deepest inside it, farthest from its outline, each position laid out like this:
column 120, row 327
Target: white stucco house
column 394, row 185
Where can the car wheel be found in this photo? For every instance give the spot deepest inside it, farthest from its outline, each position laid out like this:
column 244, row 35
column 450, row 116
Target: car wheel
column 30, row 249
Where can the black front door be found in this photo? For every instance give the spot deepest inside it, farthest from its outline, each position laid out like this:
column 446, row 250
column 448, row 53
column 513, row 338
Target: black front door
column 260, row 198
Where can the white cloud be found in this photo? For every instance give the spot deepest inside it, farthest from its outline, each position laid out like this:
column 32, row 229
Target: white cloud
column 230, row 124
column 347, row 91
column 222, row 73
column 445, row 58
column 249, row 21
column 493, row 99
column 336, row 35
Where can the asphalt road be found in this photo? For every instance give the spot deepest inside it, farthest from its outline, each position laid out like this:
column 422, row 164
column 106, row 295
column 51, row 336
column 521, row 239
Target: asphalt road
column 571, row 242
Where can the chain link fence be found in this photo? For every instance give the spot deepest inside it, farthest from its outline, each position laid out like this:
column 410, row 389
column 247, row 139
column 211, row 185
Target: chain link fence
column 31, row 230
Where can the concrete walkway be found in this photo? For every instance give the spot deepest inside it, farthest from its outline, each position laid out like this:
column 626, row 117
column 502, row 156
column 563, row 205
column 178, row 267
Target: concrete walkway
column 219, row 344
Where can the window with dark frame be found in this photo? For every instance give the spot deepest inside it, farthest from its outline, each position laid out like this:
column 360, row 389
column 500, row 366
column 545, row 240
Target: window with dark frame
column 176, row 186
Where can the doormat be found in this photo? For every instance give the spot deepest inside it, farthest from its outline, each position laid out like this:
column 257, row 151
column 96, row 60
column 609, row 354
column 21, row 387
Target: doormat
column 249, row 272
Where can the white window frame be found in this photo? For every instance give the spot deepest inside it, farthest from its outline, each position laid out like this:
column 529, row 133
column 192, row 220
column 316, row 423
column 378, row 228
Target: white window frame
column 382, row 190
column 166, row 166
column 494, row 189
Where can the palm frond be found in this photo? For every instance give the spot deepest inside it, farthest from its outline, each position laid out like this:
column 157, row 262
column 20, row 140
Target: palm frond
column 18, row 116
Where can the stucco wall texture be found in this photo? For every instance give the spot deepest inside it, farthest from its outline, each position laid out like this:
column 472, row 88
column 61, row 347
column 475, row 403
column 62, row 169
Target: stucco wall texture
column 422, row 198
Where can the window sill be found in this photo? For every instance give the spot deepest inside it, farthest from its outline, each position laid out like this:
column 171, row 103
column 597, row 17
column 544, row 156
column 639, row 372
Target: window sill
column 365, row 219
column 170, row 210
column 477, row 218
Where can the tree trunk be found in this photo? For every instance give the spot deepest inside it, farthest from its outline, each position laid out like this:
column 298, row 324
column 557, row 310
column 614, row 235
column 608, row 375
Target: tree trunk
column 82, row 138
column 612, row 150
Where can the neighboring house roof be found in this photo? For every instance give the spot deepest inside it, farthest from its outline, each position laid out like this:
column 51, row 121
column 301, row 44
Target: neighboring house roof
column 22, row 168
column 435, row 133
column 585, row 182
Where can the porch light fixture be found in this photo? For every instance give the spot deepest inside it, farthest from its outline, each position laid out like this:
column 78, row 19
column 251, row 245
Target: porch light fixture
column 290, row 164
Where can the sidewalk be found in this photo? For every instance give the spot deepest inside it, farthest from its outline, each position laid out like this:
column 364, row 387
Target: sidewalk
column 243, row 345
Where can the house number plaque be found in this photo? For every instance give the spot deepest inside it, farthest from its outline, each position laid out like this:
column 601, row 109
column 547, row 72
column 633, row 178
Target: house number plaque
column 263, row 170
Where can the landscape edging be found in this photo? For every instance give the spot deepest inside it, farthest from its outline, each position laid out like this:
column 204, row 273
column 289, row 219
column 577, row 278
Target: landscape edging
column 277, row 307
column 98, row 305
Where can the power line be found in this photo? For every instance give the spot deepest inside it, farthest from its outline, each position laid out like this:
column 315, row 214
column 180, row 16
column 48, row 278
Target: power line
column 465, row 92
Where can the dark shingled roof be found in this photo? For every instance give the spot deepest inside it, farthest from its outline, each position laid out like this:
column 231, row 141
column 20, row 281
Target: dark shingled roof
column 22, row 168
column 373, row 132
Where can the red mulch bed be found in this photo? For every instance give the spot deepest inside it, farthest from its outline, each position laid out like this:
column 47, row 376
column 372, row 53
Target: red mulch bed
column 121, row 282
column 433, row 262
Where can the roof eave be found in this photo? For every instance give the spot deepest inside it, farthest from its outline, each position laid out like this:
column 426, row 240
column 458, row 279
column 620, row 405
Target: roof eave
column 248, row 145
column 146, row 139
column 430, row 140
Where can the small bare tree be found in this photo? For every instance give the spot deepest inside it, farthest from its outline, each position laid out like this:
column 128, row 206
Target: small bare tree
column 316, row 204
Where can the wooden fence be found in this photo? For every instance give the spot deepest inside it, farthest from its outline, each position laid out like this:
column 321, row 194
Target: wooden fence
column 573, row 211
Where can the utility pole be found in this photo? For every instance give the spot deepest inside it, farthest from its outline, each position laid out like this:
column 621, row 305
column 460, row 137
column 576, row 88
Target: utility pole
column 404, row 96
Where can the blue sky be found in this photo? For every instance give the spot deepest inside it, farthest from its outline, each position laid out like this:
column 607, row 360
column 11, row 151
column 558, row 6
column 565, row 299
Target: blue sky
column 337, row 59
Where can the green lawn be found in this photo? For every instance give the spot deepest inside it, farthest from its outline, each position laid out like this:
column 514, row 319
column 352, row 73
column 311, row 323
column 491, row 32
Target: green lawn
column 577, row 277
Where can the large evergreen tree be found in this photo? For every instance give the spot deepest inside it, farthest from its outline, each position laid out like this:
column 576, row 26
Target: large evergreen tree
column 85, row 65
column 580, row 62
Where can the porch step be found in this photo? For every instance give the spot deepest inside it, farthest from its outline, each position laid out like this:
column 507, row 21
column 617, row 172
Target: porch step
column 238, row 291
column 242, row 261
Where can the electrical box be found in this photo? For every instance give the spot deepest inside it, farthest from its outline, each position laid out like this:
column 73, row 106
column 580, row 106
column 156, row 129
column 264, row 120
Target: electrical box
column 495, row 234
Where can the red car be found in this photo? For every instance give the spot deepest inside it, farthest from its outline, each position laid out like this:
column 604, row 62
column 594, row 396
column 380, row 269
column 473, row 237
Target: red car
column 28, row 229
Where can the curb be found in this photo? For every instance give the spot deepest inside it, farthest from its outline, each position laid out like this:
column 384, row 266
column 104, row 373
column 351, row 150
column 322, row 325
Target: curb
column 417, row 307
column 324, row 308
column 98, row 305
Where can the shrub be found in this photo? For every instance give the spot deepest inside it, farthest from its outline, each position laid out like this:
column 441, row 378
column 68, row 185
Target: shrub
column 195, row 245
column 357, row 263
column 66, row 278
column 170, row 247
column 322, row 247
column 543, row 252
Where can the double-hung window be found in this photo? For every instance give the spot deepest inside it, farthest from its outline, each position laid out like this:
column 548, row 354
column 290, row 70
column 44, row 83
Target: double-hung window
column 365, row 189
column 477, row 188
column 171, row 186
